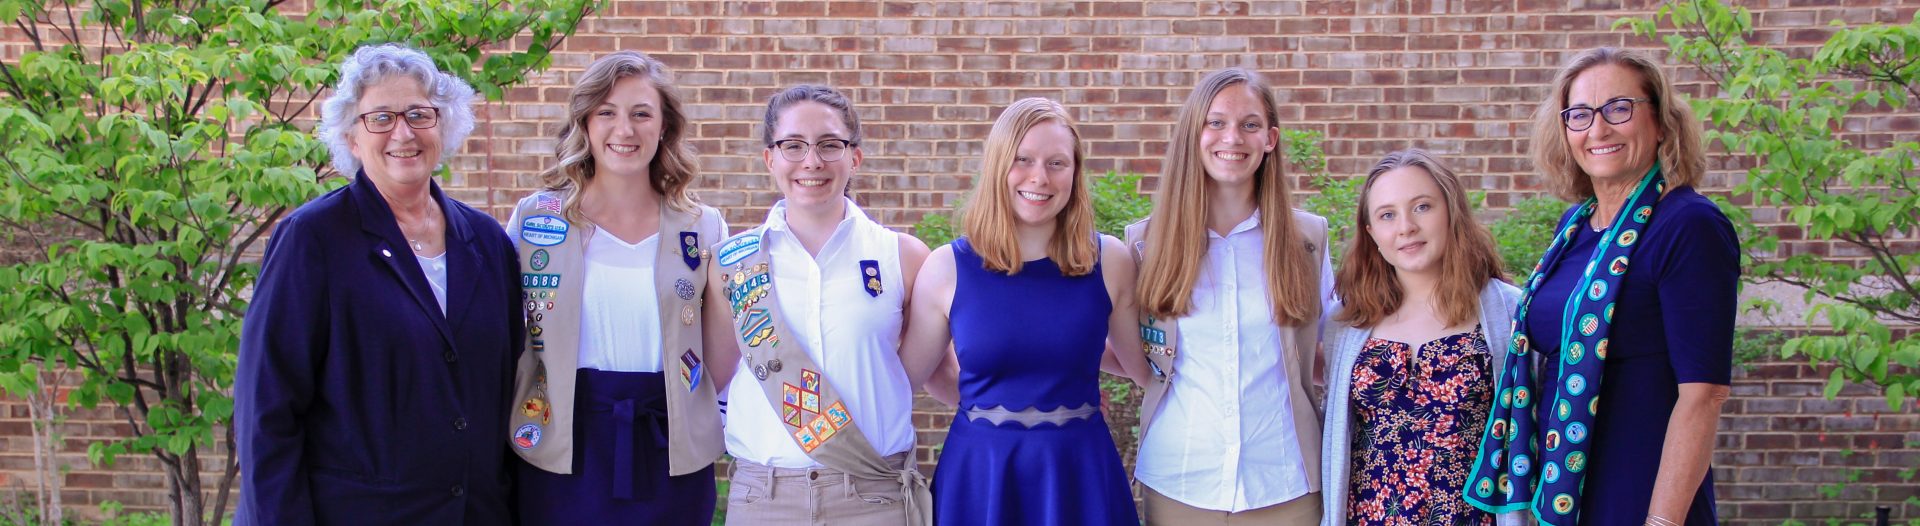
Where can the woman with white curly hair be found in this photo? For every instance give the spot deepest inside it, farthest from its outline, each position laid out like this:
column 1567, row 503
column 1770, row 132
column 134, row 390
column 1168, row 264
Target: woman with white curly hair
column 369, row 390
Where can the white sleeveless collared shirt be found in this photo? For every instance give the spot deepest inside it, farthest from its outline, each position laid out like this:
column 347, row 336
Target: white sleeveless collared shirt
column 854, row 336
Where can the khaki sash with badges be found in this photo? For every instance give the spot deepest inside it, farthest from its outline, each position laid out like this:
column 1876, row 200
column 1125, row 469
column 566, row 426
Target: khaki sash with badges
column 814, row 415
column 1158, row 338
column 552, row 269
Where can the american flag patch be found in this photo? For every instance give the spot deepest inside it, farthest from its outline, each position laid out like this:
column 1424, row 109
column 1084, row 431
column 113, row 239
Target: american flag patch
column 548, row 203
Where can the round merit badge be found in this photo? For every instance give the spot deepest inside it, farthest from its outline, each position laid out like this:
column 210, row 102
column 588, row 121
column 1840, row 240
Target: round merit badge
column 684, row 288
column 527, row 436
column 539, row 259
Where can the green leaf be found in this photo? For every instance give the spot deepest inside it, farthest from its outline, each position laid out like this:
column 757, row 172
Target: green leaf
column 1896, row 395
column 1834, row 382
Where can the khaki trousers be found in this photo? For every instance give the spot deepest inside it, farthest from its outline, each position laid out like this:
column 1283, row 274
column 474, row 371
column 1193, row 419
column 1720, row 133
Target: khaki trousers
column 822, row 496
column 1163, row 511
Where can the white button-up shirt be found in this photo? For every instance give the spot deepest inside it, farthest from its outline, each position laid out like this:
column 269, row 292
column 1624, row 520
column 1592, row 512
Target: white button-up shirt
column 853, row 336
column 1225, row 440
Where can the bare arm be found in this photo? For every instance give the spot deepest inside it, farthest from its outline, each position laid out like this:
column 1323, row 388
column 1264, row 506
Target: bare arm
column 1688, row 448
column 928, row 336
column 913, row 255
column 1123, row 326
column 723, row 350
column 945, row 383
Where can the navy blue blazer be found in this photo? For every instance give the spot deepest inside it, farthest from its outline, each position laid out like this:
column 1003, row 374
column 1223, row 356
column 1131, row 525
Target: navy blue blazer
column 356, row 402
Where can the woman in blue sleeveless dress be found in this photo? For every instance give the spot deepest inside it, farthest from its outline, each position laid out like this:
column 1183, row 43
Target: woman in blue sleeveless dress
column 1029, row 297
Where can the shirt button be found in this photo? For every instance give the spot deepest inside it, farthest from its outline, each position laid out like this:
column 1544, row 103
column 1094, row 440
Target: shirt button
column 813, row 475
column 460, row 424
column 458, row 490
column 449, row 356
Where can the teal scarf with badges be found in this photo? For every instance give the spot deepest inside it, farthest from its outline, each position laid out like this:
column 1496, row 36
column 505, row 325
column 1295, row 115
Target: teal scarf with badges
column 1528, row 464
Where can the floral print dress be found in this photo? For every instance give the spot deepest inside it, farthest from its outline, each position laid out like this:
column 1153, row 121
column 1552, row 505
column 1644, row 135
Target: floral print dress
column 1418, row 415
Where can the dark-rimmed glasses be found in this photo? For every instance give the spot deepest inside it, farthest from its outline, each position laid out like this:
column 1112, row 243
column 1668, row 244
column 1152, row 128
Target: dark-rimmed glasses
column 1617, row 111
column 417, row 118
column 829, row 150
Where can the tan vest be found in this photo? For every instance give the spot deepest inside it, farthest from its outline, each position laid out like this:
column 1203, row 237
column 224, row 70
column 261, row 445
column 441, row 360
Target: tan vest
column 552, row 269
column 815, row 417
column 1159, row 337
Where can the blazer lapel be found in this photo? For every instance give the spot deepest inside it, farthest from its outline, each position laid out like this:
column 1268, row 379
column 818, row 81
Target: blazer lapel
column 463, row 262
column 377, row 221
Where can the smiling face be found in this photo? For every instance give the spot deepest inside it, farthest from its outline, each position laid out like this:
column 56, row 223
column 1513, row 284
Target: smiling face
column 811, row 182
column 1614, row 153
column 1407, row 218
column 623, row 133
column 1042, row 174
column 402, row 156
column 1236, row 136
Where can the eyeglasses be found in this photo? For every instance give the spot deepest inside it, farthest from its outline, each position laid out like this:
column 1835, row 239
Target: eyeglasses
column 1616, row 111
column 829, row 150
column 417, row 118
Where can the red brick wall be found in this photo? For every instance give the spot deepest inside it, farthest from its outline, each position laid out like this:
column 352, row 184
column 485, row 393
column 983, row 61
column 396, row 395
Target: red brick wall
column 1455, row 77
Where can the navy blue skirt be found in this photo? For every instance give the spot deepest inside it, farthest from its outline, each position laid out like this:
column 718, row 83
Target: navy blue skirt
column 619, row 462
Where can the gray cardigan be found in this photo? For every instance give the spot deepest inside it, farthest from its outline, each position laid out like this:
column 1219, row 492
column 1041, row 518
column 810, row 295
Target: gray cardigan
column 1497, row 303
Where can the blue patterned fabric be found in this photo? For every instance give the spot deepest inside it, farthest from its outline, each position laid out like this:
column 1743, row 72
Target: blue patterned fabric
column 1527, row 462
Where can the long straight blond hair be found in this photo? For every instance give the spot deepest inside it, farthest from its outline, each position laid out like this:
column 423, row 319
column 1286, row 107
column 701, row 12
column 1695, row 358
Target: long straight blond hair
column 1369, row 286
column 674, row 165
column 1177, row 237
column 989, row 221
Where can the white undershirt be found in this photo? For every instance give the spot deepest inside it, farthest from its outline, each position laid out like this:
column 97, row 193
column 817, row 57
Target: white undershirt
column 436, row 270
column 855, row 337
column 619, row 314
column 1225, row 439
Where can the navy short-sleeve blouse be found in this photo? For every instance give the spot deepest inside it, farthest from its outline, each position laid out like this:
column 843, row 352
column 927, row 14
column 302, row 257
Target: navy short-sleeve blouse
column 1672, row 324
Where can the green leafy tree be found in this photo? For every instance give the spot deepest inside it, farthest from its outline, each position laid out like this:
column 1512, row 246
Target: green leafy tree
column 1785, row 111
column 145, row 147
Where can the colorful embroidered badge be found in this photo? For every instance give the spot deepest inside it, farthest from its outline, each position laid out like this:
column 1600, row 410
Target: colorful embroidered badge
column 527, row 436
column 538, row 261
column 809, row 380
column 683, row 289
column 543, row 230
column 547, row 203
column 790, row 414
column 690, row 369
column 536, row 407
column 738, row 248
column 837, row 415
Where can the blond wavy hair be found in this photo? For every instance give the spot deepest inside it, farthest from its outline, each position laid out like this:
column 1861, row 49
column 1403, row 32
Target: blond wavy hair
column 674, row 165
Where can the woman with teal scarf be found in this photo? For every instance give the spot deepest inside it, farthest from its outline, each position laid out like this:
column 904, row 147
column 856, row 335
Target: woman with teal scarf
column 1622, row 346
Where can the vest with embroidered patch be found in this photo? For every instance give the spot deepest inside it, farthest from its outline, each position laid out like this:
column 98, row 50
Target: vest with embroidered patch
column 553, row 270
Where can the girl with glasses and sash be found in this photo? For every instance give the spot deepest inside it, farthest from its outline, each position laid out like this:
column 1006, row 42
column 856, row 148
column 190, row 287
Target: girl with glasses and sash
column 1027, row 298
column 820, row 412
column 1622, row 347
column 615, row 416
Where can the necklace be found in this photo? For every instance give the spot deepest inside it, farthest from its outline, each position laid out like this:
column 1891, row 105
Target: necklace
column 417, row 246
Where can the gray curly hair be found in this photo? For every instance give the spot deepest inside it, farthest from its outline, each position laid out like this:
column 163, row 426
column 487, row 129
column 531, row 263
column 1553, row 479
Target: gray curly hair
column 371, row 65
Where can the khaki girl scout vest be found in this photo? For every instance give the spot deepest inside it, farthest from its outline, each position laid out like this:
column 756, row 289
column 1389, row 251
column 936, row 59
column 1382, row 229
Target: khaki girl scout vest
column 552, row 268
column 815, row 417
column 1158, row 336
